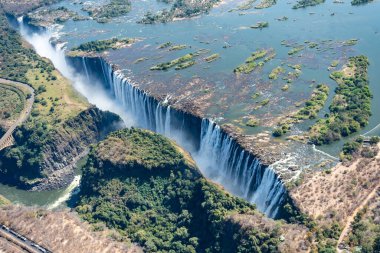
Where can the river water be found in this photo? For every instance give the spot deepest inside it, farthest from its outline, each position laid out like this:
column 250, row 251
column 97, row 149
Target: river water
column 328, row 24
column 221, row 28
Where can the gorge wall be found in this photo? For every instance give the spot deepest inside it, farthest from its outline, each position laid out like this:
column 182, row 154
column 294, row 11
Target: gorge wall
column 219, row 156
column 47, row 159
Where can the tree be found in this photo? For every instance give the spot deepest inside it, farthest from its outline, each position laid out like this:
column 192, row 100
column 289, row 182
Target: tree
column 374, row 140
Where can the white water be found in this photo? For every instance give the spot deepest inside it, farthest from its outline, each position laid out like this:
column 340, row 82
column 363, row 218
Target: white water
column 95, row 94
column 73, row 188
column 219, row 157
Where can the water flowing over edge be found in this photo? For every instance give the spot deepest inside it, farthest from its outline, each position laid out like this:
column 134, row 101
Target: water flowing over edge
column 72, row 189
column 219, row 157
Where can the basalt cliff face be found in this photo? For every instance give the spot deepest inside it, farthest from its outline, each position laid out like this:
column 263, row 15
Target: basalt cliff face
column 219, row 154
column 57, row 152
column 143, row 184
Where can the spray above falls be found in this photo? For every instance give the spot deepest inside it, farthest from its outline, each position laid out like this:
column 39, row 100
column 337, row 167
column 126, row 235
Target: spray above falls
column 219, row 157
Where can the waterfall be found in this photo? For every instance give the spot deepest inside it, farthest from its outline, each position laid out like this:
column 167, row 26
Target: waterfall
column 85, row 68
column 219, row 157
column 241, row 173
column 73, row 188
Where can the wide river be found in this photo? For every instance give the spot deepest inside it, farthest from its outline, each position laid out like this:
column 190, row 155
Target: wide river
column 327, row 22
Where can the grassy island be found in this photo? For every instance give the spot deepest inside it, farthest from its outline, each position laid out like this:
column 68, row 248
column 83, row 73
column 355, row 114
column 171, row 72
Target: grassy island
column 265, row 4
column 102, row 45
column 260, row 25
column 307, row 3
column 146, row 187
column 296, row 50
column 47, row 17
column 245, row 6
column 179, row 9
column 180, row 63
column 251, row 64
column 113, row 9
column 309, row 111
column 177, row 47
column 212, row 58
column 351, row 107
column 360, row 2
column 275, row 72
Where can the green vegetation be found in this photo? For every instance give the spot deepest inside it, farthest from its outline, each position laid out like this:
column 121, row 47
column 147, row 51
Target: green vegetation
column 113, row 9
column 360, row 2
column 265, row 102
column 165, row 45
column 245, row 6
column 60, row 117
column 12, row 102
column 38, row 141
column 212, row 58
column 184, row 65
column 46, row 17
column 350, row 42
column 284, row 18
column 252, row 123
column 140, row 60
column 365, row 232
column 307, row 3
column 285, row 87
column 103, row 45
column 146, row 187
column 177, row 47
column 4, row 201
column 22, row 7
column 351, row 106
column 296, row 50
column 179, row 61
column 15, row 60
column 260, row 25
column 313, row 45
column 309, row 111
column 265, row 4
column 179, row 9
column 275, row 72
column 24, row 65
column 250, row 63
column 356, row 148
column 334, row 64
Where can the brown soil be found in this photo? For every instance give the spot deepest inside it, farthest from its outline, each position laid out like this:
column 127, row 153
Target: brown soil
column 61, row 231
column 335, row 196
column 8, row 247
column 293, row 237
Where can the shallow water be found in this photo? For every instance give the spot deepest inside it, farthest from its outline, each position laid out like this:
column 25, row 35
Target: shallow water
column 220, row 27
column 212, row 32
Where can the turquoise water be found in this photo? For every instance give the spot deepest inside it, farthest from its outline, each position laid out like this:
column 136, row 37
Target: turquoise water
column 29, row 198
column 231, row 96
column 223, row 95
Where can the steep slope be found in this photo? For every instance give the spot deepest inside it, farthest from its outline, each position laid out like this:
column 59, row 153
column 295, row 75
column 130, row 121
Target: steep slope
column 61, row 124
column 145, row 186
column 62, row 231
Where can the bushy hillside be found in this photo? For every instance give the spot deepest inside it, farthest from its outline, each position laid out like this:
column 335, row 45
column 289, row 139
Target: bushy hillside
column 146, row 187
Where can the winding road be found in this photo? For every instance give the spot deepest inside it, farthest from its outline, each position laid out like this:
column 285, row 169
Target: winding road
column 7, row 139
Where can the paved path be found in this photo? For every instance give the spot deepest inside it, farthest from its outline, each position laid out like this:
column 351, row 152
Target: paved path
column 19, row 240
column 7, row 139
column 351, row 218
